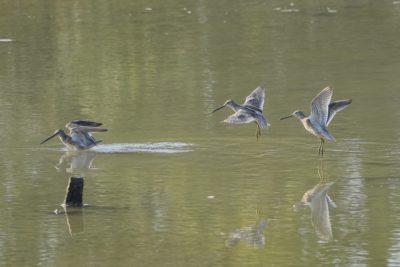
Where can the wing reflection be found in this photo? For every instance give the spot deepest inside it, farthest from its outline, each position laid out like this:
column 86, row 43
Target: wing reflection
column 76, row 163
column 252, row 235
column 318, row 200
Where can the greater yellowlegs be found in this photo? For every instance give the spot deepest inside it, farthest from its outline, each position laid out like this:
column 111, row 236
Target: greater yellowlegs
column 80, row 136
column 322, row 113
column 250, row 111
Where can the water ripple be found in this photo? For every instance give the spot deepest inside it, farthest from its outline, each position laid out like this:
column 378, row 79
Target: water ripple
column 161, row 147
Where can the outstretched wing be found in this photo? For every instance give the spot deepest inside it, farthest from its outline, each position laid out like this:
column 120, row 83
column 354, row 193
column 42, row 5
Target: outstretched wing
column 78, row 123
column 83, row 135
column 256, row 98
column 87, row 129
column 240, row 117
column 335, row 107
column 320, row 106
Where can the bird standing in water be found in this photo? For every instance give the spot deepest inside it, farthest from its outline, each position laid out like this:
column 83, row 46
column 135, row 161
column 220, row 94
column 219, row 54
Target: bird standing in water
column 322, row 113
column 80, row 135
column 250, row 111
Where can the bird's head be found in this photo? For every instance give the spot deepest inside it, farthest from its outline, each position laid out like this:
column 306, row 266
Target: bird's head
column 298, row 114
column 56, row 132
column 227, row 103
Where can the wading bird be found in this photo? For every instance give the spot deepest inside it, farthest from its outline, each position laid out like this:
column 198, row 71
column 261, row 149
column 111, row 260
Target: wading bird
column 250, row 111
column 80, row 134
column 322, row 113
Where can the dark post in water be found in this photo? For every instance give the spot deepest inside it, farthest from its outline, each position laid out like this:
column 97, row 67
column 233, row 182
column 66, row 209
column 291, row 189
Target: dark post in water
column 74, row 192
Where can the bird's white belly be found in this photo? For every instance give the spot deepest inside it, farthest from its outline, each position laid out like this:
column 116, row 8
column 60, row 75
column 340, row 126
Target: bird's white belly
column 309, row 127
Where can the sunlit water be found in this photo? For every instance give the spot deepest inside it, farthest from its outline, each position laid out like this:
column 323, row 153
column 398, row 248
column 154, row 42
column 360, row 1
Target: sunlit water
column 165, row 147
column 173, row 186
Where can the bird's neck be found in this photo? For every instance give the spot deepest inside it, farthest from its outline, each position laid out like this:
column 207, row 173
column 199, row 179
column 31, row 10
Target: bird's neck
column 300, row 115
column 65, row 138
column 234, row 106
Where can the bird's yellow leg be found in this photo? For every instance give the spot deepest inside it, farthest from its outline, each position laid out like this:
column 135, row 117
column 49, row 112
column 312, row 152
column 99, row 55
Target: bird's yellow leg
column 258, row 131
column 321, row 148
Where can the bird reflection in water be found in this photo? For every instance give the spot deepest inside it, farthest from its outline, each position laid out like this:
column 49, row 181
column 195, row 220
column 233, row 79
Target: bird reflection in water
column 77, row 163
column 252, row 235
column 318, row 200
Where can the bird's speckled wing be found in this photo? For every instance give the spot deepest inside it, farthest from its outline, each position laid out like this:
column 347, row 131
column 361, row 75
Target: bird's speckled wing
column 335, row 107
column 240, row 117
column 320, row 106
column 256, row 98
column 87, row 129
column 78, row 123
column 82, row 140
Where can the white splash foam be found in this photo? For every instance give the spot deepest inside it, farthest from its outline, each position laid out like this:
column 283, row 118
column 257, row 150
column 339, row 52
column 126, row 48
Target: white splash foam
column 162, row 147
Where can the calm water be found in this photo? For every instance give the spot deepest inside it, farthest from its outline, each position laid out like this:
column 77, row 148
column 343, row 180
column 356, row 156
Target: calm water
column 171, row 185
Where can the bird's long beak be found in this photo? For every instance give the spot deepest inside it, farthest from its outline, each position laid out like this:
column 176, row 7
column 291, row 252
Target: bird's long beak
column 287, row 117
column 217, row 109
column 48, row 138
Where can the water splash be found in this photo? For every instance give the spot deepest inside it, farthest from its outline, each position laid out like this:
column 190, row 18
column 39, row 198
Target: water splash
column 161, row 147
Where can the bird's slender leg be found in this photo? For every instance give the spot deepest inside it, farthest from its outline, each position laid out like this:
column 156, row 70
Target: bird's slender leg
column 321, row 148
column 258, row 131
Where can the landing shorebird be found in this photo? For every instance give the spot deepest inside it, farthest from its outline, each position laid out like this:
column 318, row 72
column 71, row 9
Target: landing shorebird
column 250, row 111
column 80, row 136
column 322, row 113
